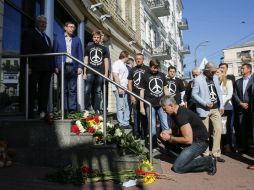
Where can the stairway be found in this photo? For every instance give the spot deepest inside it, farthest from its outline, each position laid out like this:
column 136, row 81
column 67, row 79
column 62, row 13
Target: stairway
column 40, row 144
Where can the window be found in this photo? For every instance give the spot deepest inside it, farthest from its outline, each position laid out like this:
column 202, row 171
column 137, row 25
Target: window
column 238, row 55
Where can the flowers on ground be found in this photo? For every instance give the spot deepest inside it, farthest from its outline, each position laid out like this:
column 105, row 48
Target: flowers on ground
column 146, row 171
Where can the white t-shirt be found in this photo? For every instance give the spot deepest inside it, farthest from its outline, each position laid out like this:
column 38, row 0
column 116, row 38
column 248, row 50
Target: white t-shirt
column 120, row 68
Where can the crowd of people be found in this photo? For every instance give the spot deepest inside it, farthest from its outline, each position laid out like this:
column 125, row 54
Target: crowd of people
column 189, row 114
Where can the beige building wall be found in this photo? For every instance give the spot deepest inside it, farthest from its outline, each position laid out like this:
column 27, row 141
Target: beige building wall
column 119, row 29
column 233, row 57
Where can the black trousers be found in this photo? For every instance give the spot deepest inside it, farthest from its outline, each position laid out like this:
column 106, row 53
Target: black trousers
column 244, row 129
column 39, row 85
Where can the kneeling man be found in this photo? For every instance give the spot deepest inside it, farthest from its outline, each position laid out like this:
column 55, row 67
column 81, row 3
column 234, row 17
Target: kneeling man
column 193, row 134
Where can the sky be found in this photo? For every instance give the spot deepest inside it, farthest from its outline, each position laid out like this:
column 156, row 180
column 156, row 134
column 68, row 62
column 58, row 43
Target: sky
column 224, row 23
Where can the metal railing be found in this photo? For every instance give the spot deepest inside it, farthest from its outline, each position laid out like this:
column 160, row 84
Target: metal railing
column 27, row 56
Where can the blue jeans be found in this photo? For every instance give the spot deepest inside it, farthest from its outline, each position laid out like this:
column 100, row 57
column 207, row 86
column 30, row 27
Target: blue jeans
column 93, row 81
column 70, row 87
column 163, row 122
column 187, row 161
column 122, row 109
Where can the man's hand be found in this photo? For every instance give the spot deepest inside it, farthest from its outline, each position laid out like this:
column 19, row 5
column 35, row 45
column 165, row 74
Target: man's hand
column 244, row 105
column 183, row 104
column 142, row 111
column 79, row 71
column 221, row 111
column 165, row 136
column 120, row 91
column 84, row 76
column 209, row 105
column 133, row 100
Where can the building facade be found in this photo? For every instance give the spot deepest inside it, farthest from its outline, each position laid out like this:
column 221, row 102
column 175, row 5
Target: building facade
column 162, row 28
column 147, row 26
column 233, row 57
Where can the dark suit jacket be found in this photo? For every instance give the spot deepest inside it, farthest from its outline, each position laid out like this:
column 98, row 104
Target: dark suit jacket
column 247, row 96
column 35, row 43
column 76, row 50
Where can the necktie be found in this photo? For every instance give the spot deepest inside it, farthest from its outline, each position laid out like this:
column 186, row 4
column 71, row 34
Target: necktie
column 44, row 37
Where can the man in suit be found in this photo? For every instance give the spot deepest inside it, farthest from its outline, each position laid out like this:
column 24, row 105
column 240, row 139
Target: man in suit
column 70, row 44
column 207, row 94
column 40, row 68
column 243, row 96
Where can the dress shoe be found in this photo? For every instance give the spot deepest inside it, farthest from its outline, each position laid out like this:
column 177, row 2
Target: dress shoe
column 213, row 168
column 251, row 167
column 219, row 159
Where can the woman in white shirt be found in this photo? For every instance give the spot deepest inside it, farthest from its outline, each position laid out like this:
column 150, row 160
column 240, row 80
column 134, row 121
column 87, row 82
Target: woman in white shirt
column 227, row 93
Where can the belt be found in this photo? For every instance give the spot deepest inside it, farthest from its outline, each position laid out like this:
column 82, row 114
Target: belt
column 68, row 63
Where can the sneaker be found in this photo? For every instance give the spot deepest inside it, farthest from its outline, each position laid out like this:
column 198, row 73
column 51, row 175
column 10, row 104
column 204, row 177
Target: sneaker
column 213, row 169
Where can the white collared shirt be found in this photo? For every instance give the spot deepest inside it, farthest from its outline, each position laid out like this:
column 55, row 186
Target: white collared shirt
column 245, row 82
column 68, row 41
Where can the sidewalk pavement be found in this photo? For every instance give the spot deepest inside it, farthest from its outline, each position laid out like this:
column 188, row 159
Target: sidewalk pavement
column 231, row 175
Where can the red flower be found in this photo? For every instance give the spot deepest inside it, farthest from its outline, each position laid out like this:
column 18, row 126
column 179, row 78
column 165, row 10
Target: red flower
column 88, row 118
column 86, row 169
column 141, row 172
column 75, row 129
column 96, row 118
column 91, row 130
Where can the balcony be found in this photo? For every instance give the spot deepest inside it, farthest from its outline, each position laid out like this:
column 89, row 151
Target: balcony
column 160, row 50
column 185, row 49
column 159, row 7
column 183, row 24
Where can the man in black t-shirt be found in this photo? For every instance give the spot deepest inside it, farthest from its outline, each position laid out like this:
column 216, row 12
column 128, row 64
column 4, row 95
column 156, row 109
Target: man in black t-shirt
column 175, row 86
column 193, row 134
column 153, row 87
column 96, row 56
column 135, row 76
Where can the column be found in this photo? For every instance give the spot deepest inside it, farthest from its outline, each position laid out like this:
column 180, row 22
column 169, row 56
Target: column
column 49, row 13
column 80, row 81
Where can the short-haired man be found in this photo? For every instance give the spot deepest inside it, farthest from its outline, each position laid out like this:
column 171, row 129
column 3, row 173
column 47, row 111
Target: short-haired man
column 40, row 68
column 72, row 45
column 120, row 73
column 244, row 99
column 190, row 102
column 175, row 86
column 207, row 94
column 153, row 88
column 135, row 77
column 96, row 56
column 194, row 134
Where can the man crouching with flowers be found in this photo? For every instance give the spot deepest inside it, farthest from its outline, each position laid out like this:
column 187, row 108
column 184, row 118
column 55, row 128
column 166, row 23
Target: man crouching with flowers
column 194, row 135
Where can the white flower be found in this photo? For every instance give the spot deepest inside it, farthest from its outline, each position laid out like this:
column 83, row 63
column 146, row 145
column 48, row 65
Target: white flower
column 118, row 133
column 100, row 118
column 80, row 126
column 86, row 113
column 110, row 125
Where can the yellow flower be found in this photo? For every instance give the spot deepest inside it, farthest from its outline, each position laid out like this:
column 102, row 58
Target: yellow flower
column 146, row 166
column 149, row 178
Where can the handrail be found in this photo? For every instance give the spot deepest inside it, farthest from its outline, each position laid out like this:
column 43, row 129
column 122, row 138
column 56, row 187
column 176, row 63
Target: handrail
column 104, row 94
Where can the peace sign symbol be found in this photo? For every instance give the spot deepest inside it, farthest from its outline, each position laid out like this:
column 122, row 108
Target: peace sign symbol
column 137, row 78
column 155, row 85
column 96, row 56
column 172, row 88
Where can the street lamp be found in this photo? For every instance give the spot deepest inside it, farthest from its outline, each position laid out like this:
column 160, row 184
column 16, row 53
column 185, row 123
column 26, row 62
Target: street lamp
column 195, row 52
